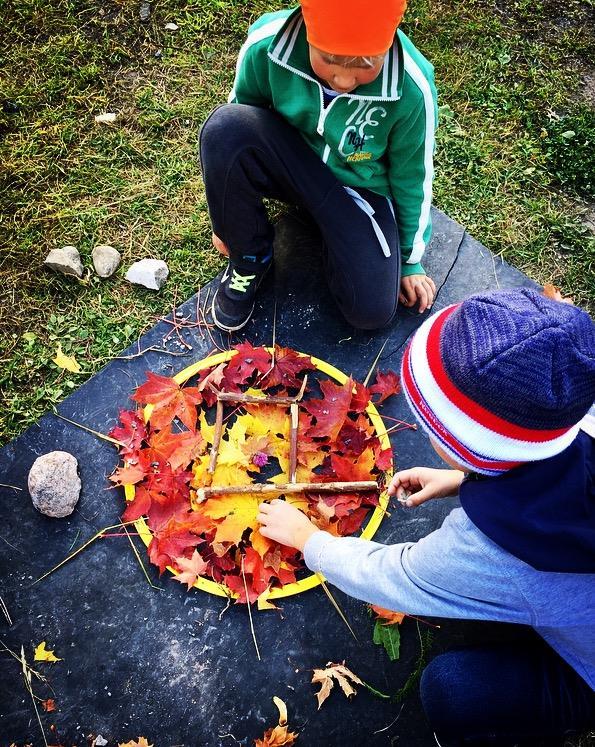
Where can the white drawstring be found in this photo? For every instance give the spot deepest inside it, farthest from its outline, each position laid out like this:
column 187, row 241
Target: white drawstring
column 369, row 210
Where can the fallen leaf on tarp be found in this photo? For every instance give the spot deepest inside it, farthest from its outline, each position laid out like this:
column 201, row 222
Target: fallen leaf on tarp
column 140, row 742
column 387, row 616
column 190, row 569
column 67, row 362
column 169, row 401
column 386, row 632
column 389, row 637
column 48, row 705
column 278, row 736
column 43, row 654
column 386, row 385
column 326, row 678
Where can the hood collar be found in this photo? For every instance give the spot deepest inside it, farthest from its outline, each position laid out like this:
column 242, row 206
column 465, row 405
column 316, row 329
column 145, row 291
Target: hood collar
column 287, row 52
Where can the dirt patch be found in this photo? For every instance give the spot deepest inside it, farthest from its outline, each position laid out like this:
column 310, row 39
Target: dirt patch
column 588, row 87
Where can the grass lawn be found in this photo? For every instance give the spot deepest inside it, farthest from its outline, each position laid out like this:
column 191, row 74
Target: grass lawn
column 515, row 159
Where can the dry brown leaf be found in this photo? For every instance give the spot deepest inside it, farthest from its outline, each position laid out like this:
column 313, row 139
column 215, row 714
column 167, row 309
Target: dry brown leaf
column 278, row 736
column 339, row 672
column 140, row 742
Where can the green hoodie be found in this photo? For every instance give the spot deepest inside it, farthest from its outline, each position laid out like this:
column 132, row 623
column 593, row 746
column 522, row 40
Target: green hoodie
column 380, row 137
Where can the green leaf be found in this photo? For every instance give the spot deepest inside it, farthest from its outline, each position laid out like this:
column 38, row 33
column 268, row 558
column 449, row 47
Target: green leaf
column 389, row 637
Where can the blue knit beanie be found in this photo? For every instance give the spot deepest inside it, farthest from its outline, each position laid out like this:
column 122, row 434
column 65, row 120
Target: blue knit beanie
column 502, row 378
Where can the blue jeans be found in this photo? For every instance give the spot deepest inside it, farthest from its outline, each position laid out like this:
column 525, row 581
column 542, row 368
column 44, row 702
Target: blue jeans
column 505, row 695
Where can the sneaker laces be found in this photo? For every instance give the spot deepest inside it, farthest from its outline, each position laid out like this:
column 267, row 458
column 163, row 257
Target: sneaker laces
column 240, row 283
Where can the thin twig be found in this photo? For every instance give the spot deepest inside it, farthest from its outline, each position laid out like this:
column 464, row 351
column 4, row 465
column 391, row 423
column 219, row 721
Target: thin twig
column 5, row 610
column 152, row 349
column 12, row 487
column 90, row 430
column 374, row 364
column 80, row 549
column 74, row 541
column 140, row 562
column 27, row 678
column 293, row 441
column 392, row 723
column 250, row 611
column 224, row 610
column 287, row 487
column 14, row 547
column 335, row 605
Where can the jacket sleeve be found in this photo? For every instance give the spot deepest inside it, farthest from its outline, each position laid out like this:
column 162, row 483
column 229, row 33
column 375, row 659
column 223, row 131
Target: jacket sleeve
column 411, row 170
column 249, row 87
column 449, row 573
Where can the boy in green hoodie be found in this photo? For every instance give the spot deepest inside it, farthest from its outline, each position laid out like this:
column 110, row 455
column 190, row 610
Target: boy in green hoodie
column 333, row 110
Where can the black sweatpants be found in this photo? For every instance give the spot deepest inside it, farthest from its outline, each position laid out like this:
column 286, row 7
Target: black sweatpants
column 249, row 153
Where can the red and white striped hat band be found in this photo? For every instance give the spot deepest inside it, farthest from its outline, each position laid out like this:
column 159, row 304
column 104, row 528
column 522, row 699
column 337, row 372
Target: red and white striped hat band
column 476, row 438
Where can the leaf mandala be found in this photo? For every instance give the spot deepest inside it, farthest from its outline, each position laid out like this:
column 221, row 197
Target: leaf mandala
column 168, row 460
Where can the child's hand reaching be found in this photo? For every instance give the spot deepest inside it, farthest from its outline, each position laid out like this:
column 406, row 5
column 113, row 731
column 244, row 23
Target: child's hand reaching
column 284, row 523
column 417, row 485
column 416, row 288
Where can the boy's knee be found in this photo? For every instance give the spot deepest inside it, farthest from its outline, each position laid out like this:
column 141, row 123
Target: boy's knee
column 230, row 126
column 375, row 313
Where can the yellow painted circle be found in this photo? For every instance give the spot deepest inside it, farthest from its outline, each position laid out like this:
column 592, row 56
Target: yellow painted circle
column 310, row 581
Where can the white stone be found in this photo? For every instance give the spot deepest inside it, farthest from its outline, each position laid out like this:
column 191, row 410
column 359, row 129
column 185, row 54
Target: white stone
column 66, row 260
column 99, row 741
column 54, row 483
column 151, row 273
column 106, row 260
column 106, row 118
column 171, row 27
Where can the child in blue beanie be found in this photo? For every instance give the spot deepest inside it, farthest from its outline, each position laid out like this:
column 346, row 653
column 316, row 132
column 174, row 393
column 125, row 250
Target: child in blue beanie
column 502, row 384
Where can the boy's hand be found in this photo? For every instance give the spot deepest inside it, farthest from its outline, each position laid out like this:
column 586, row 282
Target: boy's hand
column 219, row 245
column 417, row 485
column 284, row 523
column 416, row 288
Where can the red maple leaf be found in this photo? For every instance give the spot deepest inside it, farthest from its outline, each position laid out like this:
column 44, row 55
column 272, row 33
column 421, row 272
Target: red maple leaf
column 178, row 449
column 129, row 474
column 383, row 457
column 386, row 385
column 352, row 523
column 330, row 411
column 246, row 362
column 351, row 440
column 175, row 539
column 360, row 398
column 190, row 569
column 288, row 364
column 131, row 433
column 170, row 401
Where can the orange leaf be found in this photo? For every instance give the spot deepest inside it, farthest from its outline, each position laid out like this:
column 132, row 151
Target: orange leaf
column 388, row 617
column 48, row 705
column 190, row 569
column 170, row 401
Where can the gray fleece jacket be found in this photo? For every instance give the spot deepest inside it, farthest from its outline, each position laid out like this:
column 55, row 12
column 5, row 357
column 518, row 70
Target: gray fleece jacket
column 458, row 572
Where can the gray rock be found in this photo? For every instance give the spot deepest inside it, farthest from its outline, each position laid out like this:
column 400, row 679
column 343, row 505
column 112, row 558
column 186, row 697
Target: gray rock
column 99, row 741
column 151, row 273
column 66, row 260
column 106, row 260
column 54, row 483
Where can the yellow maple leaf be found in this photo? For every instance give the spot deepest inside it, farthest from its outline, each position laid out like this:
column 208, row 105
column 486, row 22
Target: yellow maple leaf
column 239, row 512
column 44, row 654
column 66, row 361
column 207, row 431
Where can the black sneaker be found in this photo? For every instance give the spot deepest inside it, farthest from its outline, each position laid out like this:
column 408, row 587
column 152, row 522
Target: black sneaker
column 233, row 303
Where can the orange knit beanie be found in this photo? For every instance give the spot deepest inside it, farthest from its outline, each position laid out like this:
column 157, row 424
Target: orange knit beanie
column 352, row 27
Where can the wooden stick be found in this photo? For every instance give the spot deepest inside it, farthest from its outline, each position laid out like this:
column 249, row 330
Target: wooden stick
column 287, row 487
column 216, row 437
column 293, row 441
column 253, row 399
